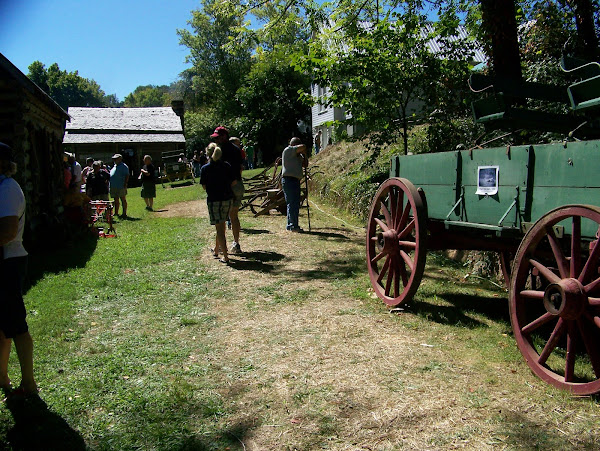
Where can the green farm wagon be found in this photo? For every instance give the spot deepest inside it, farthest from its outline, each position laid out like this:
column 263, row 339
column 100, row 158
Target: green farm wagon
column 538, row 206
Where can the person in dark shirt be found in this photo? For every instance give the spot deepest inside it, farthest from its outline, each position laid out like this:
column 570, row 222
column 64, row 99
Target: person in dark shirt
column 217, row 179
column 148, row 182
column 233, row 156
column 96, row 184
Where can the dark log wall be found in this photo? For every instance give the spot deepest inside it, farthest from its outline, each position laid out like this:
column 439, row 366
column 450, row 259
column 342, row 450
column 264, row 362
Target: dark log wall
column 34, row 127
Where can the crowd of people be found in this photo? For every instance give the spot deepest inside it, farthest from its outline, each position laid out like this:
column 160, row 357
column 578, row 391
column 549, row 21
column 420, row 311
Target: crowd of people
column 220, row 170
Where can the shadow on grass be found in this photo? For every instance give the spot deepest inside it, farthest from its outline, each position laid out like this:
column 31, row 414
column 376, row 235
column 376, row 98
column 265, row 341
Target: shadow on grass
column 333, row 235
column 37, row 427
column 73, row 254
column 336, row 267
column 255, row 231
column 231, row 437
column 522, row 433
column 255, row 261
column 456, row 314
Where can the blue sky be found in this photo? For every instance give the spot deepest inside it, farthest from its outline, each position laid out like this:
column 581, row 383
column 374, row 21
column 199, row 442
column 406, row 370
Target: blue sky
column 121, row 44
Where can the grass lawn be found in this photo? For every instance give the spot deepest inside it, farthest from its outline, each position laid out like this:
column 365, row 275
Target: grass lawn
column 145, row 341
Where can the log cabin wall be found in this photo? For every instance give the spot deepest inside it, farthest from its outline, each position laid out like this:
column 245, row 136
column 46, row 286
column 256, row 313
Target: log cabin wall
column 33, row 125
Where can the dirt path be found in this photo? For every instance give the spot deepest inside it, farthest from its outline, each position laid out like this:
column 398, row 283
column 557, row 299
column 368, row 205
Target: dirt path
column 307, row 359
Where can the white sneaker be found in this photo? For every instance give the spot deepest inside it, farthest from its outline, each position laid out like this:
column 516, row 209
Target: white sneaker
column 235, row 248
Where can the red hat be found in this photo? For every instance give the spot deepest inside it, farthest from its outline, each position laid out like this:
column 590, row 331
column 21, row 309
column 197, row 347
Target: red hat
column 220, row 131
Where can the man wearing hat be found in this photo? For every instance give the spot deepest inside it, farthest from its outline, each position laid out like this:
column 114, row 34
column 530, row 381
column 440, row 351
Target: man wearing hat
column 119, row 176
column 13, row 263
column 233, row 156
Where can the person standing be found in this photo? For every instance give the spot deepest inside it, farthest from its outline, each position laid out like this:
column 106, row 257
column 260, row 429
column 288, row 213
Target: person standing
column 119, row 177
column 13, row 264
column 87, row 170
column 148, row 182
column 232, row 155
column 318, row 142
column 76, row 171
column 217, row 179
column 97, row 181
column 250, row 155
column 292, row 160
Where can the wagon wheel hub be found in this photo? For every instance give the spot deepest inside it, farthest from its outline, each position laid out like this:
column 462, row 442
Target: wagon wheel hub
column 390, row 242
column 566, row 299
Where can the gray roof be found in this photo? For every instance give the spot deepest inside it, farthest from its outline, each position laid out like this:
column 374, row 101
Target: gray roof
column 128, row 125
column 94, row 138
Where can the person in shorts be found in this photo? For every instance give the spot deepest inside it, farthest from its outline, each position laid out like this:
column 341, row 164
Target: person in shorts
column 217, row 179
column 13, row 264
column 119, row 177
column 232, row 155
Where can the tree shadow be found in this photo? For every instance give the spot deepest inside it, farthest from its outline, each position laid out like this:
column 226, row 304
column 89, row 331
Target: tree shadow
column 457, row 314
column 74, row 253
column 255, row 261
column 337, row 267
column 322, row 234
column 231, row 437
column 522, row 433
column 37, row 427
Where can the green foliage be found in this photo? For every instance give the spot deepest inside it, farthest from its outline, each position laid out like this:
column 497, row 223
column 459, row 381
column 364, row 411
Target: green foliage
column 68, row 88
column 385, row 74
column 149, row 96
column 271, row 111
column 218, row 68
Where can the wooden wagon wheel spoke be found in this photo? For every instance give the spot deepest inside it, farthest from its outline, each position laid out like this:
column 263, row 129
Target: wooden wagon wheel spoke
column 407, row 244
column 403, row 274
column 387, row 216
column 407, row 260
column 558, row 253
column 396, row 228
column 556, row 317
column 544, row 271
column 539, row 322
column 570, row 357
column 407, row 230
column 575, row 247
column 404, row 218
column 397, row 209
column 381, row 224
column 557, row 333
column 384, row 269
column 390, row 277
column 591, row 265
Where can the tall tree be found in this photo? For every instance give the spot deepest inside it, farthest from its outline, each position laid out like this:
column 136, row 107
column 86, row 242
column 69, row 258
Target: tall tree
column 68, row 88
column 148, row 96
column 218, row 69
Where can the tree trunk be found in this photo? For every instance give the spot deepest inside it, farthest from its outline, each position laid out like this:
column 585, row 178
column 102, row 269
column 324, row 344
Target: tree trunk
column 584, row 18
column 500, row 26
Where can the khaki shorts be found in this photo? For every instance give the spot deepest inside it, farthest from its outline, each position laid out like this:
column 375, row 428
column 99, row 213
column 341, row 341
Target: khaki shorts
column 118, row 192
column 238, row 194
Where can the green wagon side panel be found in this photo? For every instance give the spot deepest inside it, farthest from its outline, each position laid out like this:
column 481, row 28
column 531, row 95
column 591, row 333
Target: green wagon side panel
column 436, row 174
column 513, row 170
column 565, row 175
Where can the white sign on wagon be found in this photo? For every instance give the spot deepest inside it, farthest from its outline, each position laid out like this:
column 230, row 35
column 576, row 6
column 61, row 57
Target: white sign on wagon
column 487, row 180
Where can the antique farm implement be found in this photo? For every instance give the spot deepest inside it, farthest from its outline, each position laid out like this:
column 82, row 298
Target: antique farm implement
column 536, row 205
column 175, row 167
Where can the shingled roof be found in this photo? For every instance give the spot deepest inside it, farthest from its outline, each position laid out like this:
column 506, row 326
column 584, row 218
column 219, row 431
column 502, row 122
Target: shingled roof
column 123, row 125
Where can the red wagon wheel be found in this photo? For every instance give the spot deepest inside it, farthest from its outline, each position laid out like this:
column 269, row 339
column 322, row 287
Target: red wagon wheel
column 555, row 299
column 396, row 234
